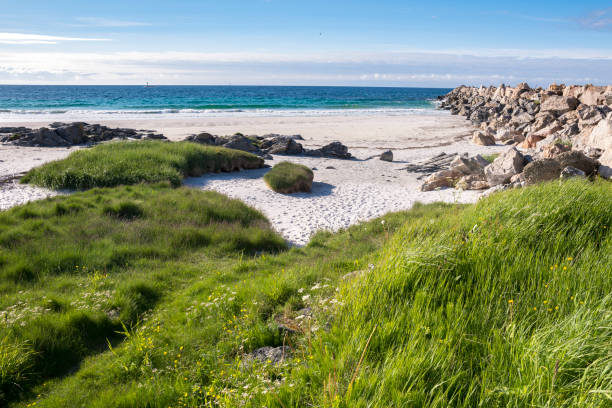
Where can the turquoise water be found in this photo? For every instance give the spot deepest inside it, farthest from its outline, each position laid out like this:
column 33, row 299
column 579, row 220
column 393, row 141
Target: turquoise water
column 34, row 102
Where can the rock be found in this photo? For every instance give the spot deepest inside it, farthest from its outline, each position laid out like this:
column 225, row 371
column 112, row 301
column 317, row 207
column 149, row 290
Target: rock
column 387, row 156
column 270, row 355
column 441, row 179
column 570, row 172
column 241, row 142
column 506, row 134
column 333, row 150
column 281, row 145
column 73, row 134
column 541, row 170
column 472, row 182
column 558, row 105
column 599, row 137
column 508, row 164
column 469, row 166
column 553, row 150
column 531, row 141
column 578, row 160
column 204, row 138
column 480, row 138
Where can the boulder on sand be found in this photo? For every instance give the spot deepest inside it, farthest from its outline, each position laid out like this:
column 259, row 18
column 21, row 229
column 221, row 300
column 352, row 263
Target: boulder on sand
column 332, row 150
column 505, row 166
column 387, row 156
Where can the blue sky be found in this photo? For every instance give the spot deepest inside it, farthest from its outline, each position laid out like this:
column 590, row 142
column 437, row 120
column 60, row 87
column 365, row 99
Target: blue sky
column 314, row 42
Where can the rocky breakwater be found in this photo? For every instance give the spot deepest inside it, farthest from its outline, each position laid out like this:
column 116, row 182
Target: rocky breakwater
column 267, row 145
column 70, row 134
column 562, row 131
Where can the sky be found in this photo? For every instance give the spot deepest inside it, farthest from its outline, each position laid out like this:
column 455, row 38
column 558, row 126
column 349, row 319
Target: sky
column 306, row 42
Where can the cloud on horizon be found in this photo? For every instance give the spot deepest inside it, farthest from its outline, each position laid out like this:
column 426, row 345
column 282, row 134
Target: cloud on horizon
column 21, row 38
column 407, row 68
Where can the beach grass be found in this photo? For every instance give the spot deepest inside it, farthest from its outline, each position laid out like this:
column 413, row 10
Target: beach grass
column 132, row 162
column 502, row 303
column 287, row 177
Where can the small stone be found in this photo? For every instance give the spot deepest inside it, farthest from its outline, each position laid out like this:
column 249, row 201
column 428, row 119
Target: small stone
column 571, row 172
column 387, row 156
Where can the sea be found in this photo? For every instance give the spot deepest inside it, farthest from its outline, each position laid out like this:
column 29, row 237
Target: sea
column 29, row 103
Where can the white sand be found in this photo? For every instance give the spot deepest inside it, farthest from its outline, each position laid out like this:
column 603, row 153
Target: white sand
column 355, row 190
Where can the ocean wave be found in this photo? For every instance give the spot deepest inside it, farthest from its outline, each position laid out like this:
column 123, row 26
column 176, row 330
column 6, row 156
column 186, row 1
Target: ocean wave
column 91, row 114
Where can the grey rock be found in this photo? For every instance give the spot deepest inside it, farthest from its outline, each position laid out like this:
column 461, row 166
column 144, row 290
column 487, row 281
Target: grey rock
column 571, row 172
column 273, row 355
column 505, row 166
column 387, row 156
column 332, row 150
column 541, row 170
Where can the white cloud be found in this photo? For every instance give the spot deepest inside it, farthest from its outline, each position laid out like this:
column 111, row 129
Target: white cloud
column 598, row 20
column 388, row 68
column 20, row 38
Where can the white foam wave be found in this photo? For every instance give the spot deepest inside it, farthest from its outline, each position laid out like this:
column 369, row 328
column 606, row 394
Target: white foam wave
column 89, row 115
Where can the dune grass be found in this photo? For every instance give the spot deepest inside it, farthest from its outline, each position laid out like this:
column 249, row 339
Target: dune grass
column 287, row 177
column 127, row 162
column 502, row 303
column 73, row 269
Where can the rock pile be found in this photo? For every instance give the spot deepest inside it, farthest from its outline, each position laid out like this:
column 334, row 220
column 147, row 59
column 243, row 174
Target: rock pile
column 265, row 146
column 561, row 131
column 70, row 134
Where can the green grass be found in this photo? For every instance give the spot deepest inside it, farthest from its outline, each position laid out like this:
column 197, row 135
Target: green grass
column 287, row 177
column 490, row 157
column 126, row 163
column 505, row 303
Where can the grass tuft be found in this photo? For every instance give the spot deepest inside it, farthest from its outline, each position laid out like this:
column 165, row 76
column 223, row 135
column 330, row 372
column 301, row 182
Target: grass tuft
column 287, row 177
column 125, row 163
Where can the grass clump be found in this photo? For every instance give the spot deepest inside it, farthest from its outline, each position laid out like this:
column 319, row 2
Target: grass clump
column 287, row 177
column 125, row 162
column 490, row 157
column 502, row 303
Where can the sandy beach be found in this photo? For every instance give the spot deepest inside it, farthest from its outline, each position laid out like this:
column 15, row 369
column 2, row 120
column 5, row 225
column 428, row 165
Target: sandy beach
column 345, row 192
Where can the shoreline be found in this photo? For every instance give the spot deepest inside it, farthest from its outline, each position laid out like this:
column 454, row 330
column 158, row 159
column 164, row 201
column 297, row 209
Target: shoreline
column 345, row 192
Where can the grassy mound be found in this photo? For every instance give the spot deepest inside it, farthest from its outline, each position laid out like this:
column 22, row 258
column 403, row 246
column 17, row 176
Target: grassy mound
column 74, row 268
column 502, row 303
column 126, row 163
column 288, row 178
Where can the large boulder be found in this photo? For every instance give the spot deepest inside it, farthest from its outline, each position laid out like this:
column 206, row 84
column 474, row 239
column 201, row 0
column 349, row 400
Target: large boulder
column 241, row 142
column 541, row 170
column 441, row 179
column 505, row 166
column 472, row 182
column 559, row 104
column 578, row 160
column 333, row 150
column 532, row 140
column 73, row 134
column 506, row 134
column 281, row 145
column 599, row 137
column 483, row 139
column 203, row 138
column 469, row 165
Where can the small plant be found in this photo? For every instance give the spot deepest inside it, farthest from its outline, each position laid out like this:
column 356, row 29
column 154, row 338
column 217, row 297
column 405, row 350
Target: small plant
column 287, row 177
column 490, row 157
